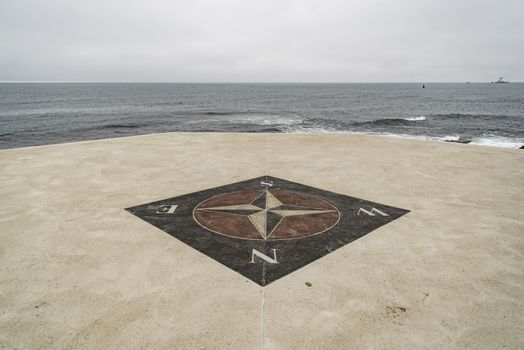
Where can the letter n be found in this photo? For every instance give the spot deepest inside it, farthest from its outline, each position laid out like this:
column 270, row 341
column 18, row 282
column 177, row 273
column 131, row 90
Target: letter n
column 256, row 253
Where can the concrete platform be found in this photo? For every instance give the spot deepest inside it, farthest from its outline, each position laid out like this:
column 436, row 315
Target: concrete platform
column 78, row 271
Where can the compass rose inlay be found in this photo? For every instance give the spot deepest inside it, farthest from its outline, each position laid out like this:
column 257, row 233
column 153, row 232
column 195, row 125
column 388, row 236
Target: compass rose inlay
column 266, row 214
column 265, row 228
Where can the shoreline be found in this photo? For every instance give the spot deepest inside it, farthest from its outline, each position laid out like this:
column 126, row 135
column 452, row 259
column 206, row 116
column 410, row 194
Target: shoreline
column 446, row 139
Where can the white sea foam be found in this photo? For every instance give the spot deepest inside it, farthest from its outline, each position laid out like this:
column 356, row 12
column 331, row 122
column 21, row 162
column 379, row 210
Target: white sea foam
column 315, row 130
column 280, row 121
column 406, row 136
column 266, row 119
column 498, row 142
column 415, row 119
column 450, row 138
column 486, row 141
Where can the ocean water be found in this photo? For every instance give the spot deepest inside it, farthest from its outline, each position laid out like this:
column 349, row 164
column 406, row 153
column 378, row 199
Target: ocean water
column 47, row 113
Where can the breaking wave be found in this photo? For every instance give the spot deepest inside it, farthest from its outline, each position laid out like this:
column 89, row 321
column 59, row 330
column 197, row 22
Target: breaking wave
column 504, row 142
column 415, row 119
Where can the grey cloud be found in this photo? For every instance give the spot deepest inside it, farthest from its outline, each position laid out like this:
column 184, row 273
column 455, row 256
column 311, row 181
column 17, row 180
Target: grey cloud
column 233, row 40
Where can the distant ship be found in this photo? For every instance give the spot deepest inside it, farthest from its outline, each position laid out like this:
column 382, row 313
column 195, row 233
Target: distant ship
column 500, row 81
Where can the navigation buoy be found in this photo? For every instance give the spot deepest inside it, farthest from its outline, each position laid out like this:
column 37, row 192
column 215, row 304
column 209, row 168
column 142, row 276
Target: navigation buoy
column 423, row 86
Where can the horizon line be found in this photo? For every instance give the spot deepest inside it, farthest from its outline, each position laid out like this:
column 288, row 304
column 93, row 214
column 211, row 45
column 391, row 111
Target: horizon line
column 248, row 82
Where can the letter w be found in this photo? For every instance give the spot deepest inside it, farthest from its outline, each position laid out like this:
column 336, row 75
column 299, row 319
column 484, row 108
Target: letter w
column 372, row 212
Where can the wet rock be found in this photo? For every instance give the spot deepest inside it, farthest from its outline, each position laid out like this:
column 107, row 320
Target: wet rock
column 460, row 140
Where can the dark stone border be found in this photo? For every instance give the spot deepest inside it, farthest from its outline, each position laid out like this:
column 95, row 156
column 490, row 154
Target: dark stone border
column 292, row 254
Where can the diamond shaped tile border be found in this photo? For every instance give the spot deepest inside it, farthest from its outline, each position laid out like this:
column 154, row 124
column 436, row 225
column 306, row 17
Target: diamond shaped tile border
column 265, row 228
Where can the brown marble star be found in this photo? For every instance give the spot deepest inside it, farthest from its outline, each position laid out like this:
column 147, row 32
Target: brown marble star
column 266, row 214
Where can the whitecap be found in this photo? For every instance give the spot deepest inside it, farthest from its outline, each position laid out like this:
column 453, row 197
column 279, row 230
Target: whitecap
column 415, row 119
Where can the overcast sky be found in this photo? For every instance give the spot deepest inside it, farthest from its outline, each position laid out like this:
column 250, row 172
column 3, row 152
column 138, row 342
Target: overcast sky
column 262, row 41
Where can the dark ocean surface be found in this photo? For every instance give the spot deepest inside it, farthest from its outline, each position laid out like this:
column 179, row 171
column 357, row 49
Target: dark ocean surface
column 46, row 113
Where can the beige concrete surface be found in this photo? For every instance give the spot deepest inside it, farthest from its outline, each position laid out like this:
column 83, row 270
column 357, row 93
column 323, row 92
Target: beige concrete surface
column 79, row 272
